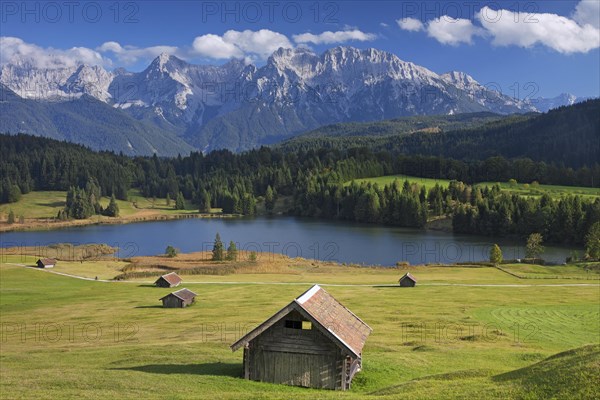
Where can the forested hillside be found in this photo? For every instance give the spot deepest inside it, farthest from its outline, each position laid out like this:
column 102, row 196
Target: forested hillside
column 568, row 135
column 314, row 182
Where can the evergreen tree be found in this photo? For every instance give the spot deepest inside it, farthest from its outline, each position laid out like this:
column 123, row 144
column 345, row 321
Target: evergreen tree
column 11, row 217
column 204, row 201
column 180, row 202
column 217, row 251
column 592, row 242
column 113, row 208
column 232, row 252
column 496, row 255
column 168, row 200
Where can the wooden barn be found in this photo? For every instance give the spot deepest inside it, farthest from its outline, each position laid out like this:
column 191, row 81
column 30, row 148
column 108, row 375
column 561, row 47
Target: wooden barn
column 407, row 280
column 179, row 299
column 312, row 342
column 46, row 263
column 168, row 280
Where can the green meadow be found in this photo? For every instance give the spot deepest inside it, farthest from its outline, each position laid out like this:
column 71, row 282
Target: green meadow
column 64, row 337
column 523, row 189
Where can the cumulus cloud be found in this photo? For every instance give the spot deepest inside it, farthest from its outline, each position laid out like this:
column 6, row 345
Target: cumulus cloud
column 329, row 37
column 128, row 55
column 557, row 32
column 249, row 44
column 15, row 50
column 448, row 30
column 579, row 33
column 410, row 24
column 587, row 12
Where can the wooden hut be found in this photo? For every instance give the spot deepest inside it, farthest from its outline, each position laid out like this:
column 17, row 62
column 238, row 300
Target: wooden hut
column 168, row 280
column 312, row 342
column 46, row 263
column 179, row 299
column 407, row 280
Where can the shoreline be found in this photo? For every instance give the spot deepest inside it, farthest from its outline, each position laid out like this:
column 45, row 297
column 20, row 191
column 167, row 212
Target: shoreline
column 42, row 224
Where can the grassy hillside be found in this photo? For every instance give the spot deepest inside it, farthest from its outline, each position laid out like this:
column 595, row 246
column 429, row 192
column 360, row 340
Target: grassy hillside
column 41, row 208
column 523, row 189
column 70, row 338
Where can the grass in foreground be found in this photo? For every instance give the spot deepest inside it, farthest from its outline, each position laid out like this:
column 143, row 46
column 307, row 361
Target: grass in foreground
column 89, row 339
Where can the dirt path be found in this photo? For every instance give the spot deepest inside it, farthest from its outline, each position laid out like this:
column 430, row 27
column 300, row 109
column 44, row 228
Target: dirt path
column 517, row 285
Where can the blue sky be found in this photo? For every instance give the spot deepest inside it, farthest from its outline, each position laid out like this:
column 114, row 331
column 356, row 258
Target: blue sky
column 508, row 44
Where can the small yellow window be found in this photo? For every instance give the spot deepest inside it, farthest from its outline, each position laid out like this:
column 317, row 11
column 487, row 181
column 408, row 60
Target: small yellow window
column 307, row 325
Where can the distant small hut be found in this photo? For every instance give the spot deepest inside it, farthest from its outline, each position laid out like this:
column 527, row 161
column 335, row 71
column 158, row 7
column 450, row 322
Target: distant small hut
column 312, row 342
column 168, row 280
column 408, row 280
column 46, row 263
column 179, row 299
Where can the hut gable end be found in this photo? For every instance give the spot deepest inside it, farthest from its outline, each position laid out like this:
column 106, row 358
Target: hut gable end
column 168, row 280
column 333, row 319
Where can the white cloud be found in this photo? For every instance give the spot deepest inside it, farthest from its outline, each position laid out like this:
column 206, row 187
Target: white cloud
column 383, row 25
column 410, row 24
column 249, row 44
column 128, row 55
column 526, row 30
column 587, row 12
column 15, row 50
column 448, row 30
column 329, row 37
column 214, row 46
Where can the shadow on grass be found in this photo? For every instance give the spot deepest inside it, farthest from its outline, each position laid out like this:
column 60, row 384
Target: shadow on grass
column 154, row 306
column 149, row 285
column 52, row 204
column 233, row 370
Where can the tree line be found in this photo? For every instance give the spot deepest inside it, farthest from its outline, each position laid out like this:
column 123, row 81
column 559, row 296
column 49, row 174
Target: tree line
column 316, row 181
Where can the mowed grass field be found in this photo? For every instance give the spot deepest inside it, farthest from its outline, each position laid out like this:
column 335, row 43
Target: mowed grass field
column 70, row 338
column 523, row 189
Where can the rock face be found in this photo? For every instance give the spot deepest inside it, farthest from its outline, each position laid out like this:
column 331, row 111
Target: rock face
column 240, row 106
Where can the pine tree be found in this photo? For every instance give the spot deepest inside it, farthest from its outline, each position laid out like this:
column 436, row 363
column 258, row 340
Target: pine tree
column 168, row 200
column 232, row 252
column 496, row 255
column 11, row 217
column 113, row 208
column 217, row 251
column 180, row 202
column 592, row 242
column 204, row 201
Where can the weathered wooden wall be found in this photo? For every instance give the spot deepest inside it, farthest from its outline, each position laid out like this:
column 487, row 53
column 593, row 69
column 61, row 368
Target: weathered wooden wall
column 296, row 357
column 172, row 302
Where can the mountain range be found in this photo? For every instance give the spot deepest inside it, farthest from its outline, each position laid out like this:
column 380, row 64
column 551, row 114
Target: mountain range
column 173, row 106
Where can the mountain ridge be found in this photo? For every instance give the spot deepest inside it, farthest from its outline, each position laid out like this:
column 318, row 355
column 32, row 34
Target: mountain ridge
column 240, row 106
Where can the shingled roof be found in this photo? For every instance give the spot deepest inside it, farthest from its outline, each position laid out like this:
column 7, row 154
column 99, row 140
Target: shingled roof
column 183, row 294
column 409, row 276
column 47, row 261
column 329, row 315
column 172, row 278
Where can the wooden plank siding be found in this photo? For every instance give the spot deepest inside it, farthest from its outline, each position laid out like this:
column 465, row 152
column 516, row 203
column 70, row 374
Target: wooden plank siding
column 299, row 357
column 173, row 302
